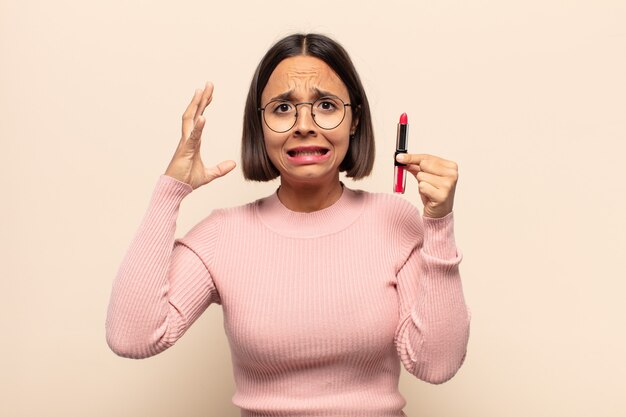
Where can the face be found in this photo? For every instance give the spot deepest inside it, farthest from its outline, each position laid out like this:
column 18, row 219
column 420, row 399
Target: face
column 306, row 152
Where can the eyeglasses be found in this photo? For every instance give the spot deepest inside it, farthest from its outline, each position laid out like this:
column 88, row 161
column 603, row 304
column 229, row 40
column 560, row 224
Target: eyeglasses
column 281, row 115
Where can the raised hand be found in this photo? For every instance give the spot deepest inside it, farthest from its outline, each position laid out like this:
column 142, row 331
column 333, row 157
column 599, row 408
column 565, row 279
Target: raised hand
column 436, row 179
column 186, row 164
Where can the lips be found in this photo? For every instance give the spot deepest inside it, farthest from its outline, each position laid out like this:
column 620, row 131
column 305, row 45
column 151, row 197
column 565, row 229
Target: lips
column 307, row 151
column 308, row 155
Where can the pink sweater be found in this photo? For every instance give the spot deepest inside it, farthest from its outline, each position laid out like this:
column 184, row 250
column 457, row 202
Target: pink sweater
column 320, row 309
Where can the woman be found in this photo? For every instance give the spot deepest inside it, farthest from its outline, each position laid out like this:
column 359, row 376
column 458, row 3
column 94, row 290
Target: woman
column 325, row 289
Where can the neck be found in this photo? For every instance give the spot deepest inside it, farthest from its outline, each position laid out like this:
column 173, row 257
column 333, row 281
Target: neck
column 306, row 197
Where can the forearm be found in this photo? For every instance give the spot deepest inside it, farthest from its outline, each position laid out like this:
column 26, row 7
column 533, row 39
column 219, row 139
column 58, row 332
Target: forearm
column 139, row 318
column 434, row 330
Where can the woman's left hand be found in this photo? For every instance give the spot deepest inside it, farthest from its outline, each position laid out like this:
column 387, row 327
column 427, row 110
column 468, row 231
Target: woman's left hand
column 436, row 179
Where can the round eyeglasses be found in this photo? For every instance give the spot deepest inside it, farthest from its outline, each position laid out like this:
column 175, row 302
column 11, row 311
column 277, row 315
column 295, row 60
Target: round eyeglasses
column 281, row 115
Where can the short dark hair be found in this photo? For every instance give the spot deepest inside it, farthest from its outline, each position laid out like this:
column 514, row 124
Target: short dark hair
column 359, row 159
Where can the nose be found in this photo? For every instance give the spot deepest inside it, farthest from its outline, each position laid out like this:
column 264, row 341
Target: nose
column 304, row 122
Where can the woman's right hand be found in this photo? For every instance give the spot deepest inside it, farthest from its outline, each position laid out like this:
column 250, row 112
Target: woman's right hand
column 186, row 165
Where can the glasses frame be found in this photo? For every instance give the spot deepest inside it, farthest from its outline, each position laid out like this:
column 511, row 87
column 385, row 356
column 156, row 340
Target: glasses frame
column 295, row 119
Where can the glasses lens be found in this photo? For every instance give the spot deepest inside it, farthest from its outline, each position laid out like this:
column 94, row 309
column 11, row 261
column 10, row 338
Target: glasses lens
column 328, row 112
column 280, row 115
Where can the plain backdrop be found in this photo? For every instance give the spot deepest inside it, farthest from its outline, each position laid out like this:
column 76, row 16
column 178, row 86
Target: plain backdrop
column 528, row 97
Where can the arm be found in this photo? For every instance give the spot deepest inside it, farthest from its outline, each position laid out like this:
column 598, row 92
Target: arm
column 432, row 336
column 162, row 286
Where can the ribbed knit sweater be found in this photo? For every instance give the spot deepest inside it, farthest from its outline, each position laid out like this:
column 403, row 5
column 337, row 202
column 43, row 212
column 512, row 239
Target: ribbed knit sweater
column 320, row 309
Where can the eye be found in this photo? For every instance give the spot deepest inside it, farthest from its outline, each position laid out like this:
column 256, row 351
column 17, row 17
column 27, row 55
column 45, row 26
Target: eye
column 281, row 107
column 326, row 104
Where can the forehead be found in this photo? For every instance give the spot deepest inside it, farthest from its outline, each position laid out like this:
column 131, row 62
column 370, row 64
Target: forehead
column 302, row 75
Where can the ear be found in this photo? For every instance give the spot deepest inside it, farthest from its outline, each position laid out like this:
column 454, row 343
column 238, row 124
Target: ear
column 355, row 119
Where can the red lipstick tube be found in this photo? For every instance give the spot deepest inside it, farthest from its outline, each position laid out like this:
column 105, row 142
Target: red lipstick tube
column 399, row 170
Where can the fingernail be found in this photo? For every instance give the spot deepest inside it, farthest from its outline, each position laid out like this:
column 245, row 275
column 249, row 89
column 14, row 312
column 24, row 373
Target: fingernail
column 401, row 157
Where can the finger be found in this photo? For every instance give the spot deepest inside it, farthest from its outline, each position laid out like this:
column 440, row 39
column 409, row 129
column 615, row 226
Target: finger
column 435, row 166
column 438, row 168
column 188, row 115
column 433, row 193
column 207, row 96
column 220, row 170
column 194, row 138
column 413, row 169
column 417, row 158
column 413, row 158
column 431, row 169
column 435, row 180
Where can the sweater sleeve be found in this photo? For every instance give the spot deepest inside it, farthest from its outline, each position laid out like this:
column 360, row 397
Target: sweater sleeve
column 162, row 286
column 433, row 332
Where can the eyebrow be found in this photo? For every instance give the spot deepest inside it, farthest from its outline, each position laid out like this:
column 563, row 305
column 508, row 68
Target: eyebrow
column 288, row 95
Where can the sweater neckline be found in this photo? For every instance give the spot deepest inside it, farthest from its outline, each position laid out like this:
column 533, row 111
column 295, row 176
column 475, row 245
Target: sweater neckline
column 334, row 218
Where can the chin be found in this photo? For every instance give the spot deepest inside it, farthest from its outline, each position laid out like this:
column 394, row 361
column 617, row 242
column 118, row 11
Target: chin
column 310, row 174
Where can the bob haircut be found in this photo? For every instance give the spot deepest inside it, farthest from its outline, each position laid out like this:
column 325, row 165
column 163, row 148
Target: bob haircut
column 359, row 159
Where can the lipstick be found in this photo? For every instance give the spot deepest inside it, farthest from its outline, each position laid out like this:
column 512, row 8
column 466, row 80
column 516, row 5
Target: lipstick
column 399, row 170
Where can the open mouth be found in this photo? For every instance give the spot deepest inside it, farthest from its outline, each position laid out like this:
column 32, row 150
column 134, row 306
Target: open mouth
column 307, row 152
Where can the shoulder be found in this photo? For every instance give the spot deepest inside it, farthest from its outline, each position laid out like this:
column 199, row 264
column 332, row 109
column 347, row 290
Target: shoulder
column 390, row 206
column 395, row 214
column 211, row 226
column 393, row 220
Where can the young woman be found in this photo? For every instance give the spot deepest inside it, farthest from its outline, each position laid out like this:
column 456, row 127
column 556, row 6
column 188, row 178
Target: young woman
column 325, row 290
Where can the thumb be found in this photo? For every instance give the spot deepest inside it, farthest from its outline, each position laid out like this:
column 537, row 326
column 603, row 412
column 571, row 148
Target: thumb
column 219, row 170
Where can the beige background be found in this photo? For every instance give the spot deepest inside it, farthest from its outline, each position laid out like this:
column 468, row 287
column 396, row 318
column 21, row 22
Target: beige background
column 528, row 97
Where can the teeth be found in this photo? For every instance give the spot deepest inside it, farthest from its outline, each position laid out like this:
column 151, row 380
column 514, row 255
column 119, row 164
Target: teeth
column 307, row 153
